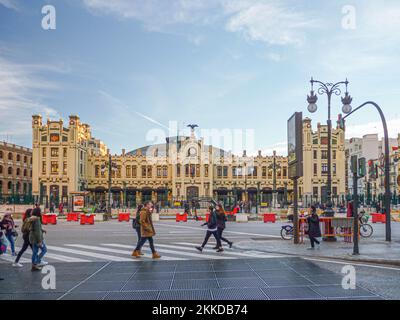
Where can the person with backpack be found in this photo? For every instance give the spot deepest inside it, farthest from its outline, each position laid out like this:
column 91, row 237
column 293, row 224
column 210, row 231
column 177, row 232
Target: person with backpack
column 211, row 230
column 25, row 229
column 221, row 225
column 9, row 231
column 37, row 240
column 136, row 226
column 147, row 231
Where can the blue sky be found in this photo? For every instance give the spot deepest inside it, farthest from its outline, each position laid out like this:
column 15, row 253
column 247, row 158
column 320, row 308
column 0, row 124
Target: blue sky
column 128, row 66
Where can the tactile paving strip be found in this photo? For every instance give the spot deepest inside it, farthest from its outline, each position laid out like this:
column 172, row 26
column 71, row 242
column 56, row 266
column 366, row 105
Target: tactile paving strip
column 292, row 293
column 134, row 295
column 194, row 284
column 238, row 294
column 185, row 295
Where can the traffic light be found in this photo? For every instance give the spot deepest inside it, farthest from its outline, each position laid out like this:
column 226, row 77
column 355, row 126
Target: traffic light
column 341, row 122
column 362, row 170
column 354, row 165
column 371, row 170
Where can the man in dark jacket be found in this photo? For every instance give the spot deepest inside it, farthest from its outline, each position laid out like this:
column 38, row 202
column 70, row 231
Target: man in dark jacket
column 211, row 230
column 314, row 230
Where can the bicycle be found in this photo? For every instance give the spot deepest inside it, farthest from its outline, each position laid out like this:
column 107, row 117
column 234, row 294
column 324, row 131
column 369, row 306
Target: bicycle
column 365, row 229
column 287, row 232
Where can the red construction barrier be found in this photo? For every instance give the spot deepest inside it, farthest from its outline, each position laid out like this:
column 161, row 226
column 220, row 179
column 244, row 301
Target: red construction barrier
column 123, row 216
column 378, row 217
column 49, row 219
column 269, row 217
column 181, row 217
column 87, row 219
column 72, row 216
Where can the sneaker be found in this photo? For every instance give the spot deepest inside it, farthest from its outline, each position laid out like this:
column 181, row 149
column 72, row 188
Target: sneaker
column 35, row 268
column 220, row 250
column 215, row 248
column 17, row 265
column 230, row 244
column 43, row 263
column 200, row 249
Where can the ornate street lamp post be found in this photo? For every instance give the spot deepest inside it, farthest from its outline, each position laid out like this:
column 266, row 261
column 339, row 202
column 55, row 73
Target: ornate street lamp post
column 274, row 167
column 329, row 89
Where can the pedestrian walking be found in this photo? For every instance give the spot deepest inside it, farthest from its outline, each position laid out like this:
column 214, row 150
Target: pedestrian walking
column 211, row 230
column 25, row 229
column 9, row 231
column 37, row 240
column 314, row 230
column 61, row 209
column 221, row 225
column 136, row 226
column 147, row 231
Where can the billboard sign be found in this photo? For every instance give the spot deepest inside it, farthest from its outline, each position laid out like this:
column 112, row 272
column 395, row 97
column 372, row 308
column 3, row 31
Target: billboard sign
column 295, row 145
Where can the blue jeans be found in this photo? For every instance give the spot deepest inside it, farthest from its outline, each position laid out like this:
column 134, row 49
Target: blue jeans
column 10, row 239
column 36, row 257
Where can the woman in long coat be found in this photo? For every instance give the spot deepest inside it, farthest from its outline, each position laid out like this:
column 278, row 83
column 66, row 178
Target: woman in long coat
column 314, row 230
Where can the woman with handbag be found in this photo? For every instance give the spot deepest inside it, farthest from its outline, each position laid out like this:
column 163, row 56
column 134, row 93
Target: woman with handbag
column 9, row 231
column 221, row 224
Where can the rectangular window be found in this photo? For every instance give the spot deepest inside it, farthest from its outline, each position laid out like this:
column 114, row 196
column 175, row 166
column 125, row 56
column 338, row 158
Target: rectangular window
column 54, row 167
column 178, row 170
column 315, row 191
column 254, row 172
column 64, row 167
column 315, row 169
column 134, row 171
column 334, row 168
column 159, row 170
column 54, row 152
column 144, row 171
column 206, row 170
column 119, row 171
column 264, row 172
column 128, row 171
column 165, row 171
column 219, row 171
column 149, row 171
column 334, row 191
column 324, row 168
column 315, row 154
column 197, row 170
column 284, row 172
column 64, row 152
column 96, row 171
column 44, row 153
column 44, row 167
column 334, row 154
column 225, row 173
column 324, row 154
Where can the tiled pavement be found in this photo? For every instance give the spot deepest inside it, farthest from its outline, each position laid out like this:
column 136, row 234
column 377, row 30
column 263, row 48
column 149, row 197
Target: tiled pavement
column 238, row 279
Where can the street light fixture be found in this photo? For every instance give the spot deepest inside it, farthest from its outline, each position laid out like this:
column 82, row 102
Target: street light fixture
column 329, row 89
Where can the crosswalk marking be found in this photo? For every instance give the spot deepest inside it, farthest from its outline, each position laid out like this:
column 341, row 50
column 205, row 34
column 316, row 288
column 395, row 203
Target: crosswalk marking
column 177, row 252
column 89, row 254
column 253, row 255
column 9, row 258
column 124, row 252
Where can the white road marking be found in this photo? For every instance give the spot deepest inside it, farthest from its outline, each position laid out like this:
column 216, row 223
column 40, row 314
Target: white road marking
column 124, row 252
column 241, row 254
column 177, row 252
column 54, row 256
column 232, row 232
column 89, row 254
column 9, row 258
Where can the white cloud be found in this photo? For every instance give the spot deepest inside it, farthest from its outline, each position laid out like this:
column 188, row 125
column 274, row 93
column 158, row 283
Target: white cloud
column 281, row 149
column 21, row 89
column 10, row 4
column 268, row 21
column 359, row 130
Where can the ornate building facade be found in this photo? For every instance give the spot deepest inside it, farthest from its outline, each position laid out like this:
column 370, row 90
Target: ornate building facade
column 15, row 173
column 69, row 160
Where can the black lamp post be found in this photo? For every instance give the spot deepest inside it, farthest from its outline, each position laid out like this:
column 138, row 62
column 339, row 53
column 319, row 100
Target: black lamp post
column 387, row 197
column 274, row 167
column 329, row 89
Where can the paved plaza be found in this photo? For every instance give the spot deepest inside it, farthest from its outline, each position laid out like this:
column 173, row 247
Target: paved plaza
column 94, row 262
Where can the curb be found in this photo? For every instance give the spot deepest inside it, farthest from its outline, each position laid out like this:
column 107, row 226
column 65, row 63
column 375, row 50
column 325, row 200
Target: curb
column 385, row 262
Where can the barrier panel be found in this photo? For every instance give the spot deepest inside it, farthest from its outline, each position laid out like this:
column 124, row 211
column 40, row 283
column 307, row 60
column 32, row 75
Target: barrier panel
column 87, row 219
column 269, row 217
column 73, row 216
column 123, row 216
column 181, row 217
column 378, row 218
column 330, row 227
column 49, row 219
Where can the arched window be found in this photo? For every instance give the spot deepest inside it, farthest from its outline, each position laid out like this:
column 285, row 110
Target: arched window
column 10, row 187
column 17, row 187
column 1, row 154
column 18, row 158
column 10, row 156
column 9, row 170
column 18, row 171
column 1, row 169
column 25, row 159
column 25, row 172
